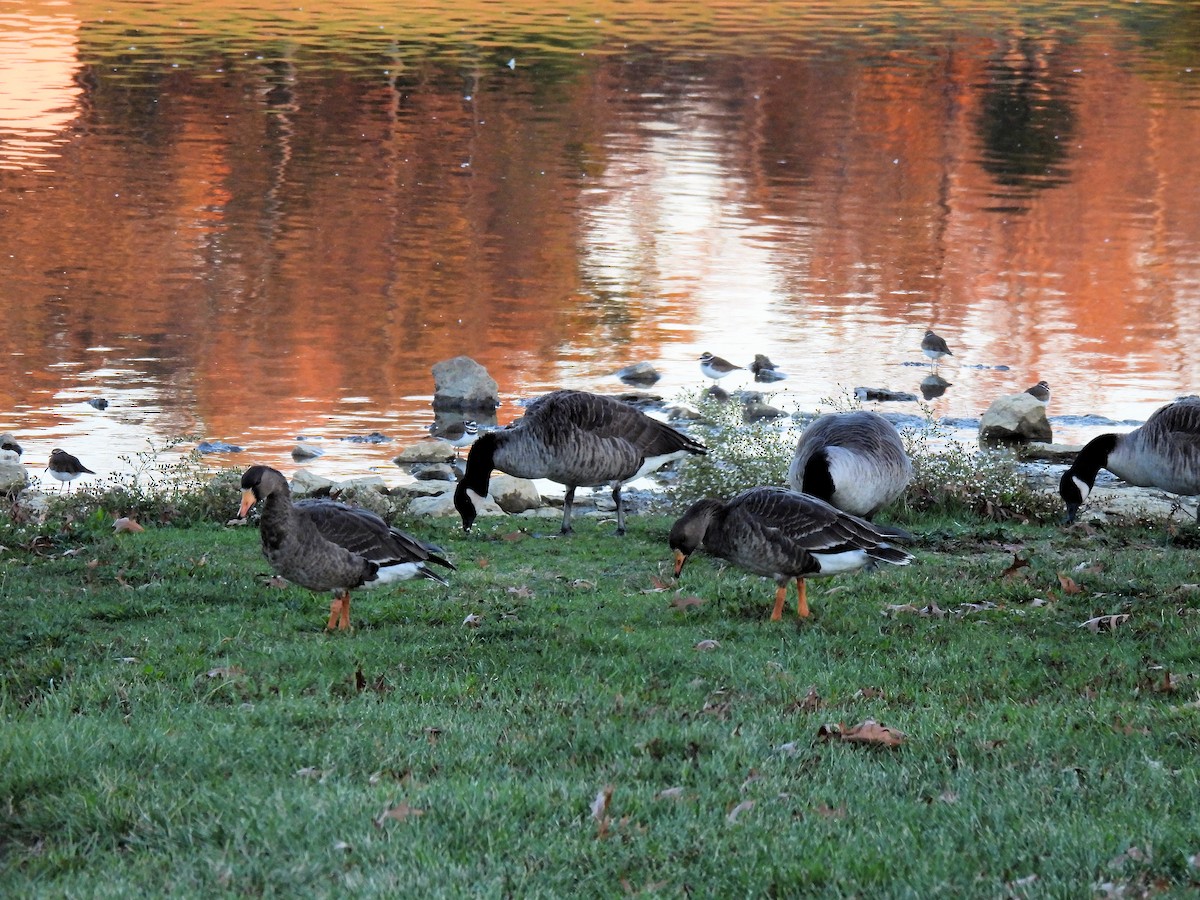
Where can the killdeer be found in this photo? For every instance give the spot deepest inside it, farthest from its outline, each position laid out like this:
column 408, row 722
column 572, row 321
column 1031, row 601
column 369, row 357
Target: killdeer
column 456, row 434
column 716, row 368
column 1040, row 392
column 66, row 467
column 934, row 347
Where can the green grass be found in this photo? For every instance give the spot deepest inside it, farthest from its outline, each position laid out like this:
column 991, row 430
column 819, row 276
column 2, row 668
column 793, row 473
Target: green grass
column 173, row 725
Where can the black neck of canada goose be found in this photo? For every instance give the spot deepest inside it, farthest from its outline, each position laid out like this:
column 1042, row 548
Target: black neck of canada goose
column 1093, row 457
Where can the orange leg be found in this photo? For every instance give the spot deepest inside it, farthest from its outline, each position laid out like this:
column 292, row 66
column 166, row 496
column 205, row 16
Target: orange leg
column 338, row 609
column 780, row 597
column 801, row 599
column 344, row 622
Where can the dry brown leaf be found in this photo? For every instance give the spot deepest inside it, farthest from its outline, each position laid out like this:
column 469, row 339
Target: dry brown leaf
column 735, row 811
column 513, row 536
column 932, row 611
column 682, row 603
column 658, row 585
column 707, row 644
column 1017, row 565
column 830, row 812
column 1068, row 584
column 523, row 592
column 810, row 702
column 432, row 733
column 1168, row 684
column 473, row 621
column 866, row 732
column 126, row 525
column 401, row 812
column 894, row 609
column 1105, row 623
column 868, row 693
column 671, row 793
column 225, row 672
column 600, row 810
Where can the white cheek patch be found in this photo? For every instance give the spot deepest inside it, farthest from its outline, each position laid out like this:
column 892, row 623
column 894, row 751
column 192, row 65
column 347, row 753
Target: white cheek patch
column 1084, row 490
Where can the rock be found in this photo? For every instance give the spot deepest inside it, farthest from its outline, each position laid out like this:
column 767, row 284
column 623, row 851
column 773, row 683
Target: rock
column 374, row 437
column 639, row 373
column 442, row 506
column 682, row 412
column 1016, row 418
column 715, row 392
column 8, row 442
column 306, row 484
column 757, row 410
column 304, row 451
column 432, row 472
column 421, row 489
column 463, row 384
column 217, row 447
column 13, row 475
column 31, row 506
column 364, row 483
column 933, row 386
column 425, row 452
column 764, row 370
column 514, row 495
column 97, row 403
column 884, row 394
column 1055, row 453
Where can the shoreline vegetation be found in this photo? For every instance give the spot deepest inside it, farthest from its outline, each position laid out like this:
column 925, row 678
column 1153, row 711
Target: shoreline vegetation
column 1017, row 713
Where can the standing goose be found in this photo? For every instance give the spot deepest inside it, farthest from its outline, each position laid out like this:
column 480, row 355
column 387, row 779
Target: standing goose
column 576, row 439
column 327, row 546
column 1163, row 453
column 852, row 460
column 784, row 535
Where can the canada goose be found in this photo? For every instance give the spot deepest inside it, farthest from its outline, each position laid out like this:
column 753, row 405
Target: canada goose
column 1040, row 392
column 934, row 346
column 576, row 439
column 1163, row 453
column 327, row 546
column 66, row 468
column 784, row 535
column 716, row 368
column 853, row 460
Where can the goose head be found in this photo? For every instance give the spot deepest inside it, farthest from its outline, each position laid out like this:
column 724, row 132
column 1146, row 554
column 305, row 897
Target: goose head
column 687, row 534
column 258, row 483
column 1074, row 490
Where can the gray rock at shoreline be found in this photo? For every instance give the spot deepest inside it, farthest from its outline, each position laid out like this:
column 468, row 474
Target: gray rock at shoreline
column 1015, row 419
column 13, row 475
column 639, row 373
column 464, row 385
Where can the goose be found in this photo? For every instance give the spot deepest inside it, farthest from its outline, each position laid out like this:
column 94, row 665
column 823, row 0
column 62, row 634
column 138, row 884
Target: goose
column 852, row 460
column 66, row 468
column 576, row 439
column 781, row 534
column 1163, row 453
column 328, row 546
column 934, row 346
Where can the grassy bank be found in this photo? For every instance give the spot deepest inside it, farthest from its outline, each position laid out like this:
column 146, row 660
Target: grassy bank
column 172, row 724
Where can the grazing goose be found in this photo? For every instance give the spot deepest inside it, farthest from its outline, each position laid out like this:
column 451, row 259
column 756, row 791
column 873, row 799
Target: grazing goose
column 853, row 460
column 1163, row 453
column 327, row 546
column 784, row 535
column 934, row 346
column 576, row 439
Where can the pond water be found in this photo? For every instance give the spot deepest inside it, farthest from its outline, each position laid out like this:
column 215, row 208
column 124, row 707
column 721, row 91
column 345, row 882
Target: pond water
column 248, row 223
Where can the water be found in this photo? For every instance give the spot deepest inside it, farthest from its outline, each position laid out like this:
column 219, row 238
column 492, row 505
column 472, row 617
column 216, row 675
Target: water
column 248, row 223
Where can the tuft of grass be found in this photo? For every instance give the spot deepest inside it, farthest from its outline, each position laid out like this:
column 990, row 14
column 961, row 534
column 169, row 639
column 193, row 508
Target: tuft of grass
column 174, row 725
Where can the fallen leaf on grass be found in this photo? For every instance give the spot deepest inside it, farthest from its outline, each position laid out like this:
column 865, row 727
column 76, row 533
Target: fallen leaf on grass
column 523, row 592
column 1168, row 684
column 810, row 702
column 894, row 609
column 126, row 525
column 671, row 793
column 658, row 586
column 1068, row 584
column 513, row 536
column 682, row 603
column 1105, row 623
column 1017, row 565
column 735, row 811
column 866, row 732
column 830, row 812
column 401, row 812
column 311, row 772
column 473, row 621
column 225, row 672
column 707, row 644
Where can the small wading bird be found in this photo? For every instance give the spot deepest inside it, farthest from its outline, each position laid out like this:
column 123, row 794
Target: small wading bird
column 783, row 535
column 853, row 460
column 576, row 439
column 1040, row 392
column 456, row 434
column 66, row 468
column 934, row 347
column 716, row 368
column 1163, row 453
column 323, row 545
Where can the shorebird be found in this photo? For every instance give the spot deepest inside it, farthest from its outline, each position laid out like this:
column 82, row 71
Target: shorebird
column 456, row 434
column 576, row 439
column 1163, row 453
column 716, row 368
column 66, row 468
column 934, row 347
column 1040, row 392
column 328, row 546
column 783, row 535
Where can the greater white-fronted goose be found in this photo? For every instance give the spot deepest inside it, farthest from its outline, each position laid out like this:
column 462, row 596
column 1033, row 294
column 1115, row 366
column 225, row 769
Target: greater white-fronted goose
column 328, row 546
column 783, row 535
column 1163, row 453
column 576, row 439
column 934, row 346
column 852, row 460
column 65, row 467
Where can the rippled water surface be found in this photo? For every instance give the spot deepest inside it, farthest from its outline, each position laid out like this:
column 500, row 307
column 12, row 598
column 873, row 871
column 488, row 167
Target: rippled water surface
column 250, row 223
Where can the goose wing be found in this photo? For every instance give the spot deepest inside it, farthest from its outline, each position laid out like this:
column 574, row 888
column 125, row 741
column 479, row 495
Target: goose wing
column 365, row 534
column 608, row 419
column 803, row 523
